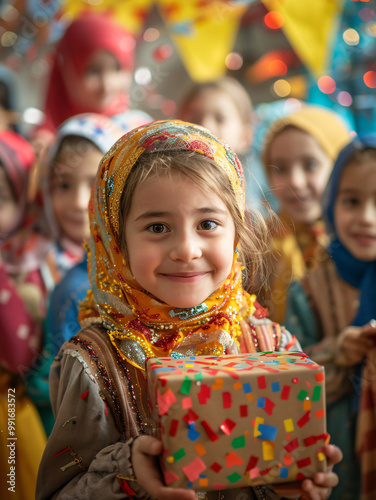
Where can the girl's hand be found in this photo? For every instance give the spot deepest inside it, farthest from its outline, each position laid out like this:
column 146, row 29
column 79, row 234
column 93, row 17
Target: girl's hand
column 354, row 343
column 318, row 488
column 145, row 451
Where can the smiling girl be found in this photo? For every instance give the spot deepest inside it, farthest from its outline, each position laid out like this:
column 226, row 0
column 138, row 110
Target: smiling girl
column 168, row 225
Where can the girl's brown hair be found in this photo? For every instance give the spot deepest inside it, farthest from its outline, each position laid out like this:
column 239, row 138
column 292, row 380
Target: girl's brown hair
column 251, row 232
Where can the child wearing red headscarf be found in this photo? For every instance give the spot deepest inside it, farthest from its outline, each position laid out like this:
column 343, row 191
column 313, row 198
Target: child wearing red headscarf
column 91, row 72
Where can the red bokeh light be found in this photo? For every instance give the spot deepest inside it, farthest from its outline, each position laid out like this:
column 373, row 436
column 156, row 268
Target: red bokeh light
column 274, row 20
column 326, row 84
column 369, row 79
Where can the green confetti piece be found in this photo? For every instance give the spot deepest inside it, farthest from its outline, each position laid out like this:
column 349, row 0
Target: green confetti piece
column 238, row 442
column 316, row 393
column 179, row 454
column 186, row 386
column 198, row 376
column 234, row 477
column 302, row 395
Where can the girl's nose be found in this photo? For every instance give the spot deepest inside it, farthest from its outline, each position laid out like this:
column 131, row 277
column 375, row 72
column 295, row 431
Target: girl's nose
column 297, row 178
column 185, row 247
column 368, row 213
column 82, row 197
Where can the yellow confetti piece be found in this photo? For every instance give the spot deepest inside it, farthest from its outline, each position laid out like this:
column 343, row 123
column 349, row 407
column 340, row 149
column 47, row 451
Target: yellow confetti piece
column 258, row 421
column 200, row 449
column 321, row 456
column 218, row 384
column 249, row 396
column 170, row 460
column 189, row 365
column 268, row 450
column 289, row 425
column 237, row 386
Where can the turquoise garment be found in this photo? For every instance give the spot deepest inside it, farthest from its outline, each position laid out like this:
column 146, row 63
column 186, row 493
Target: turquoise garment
column 61, row 325
column 341, row 420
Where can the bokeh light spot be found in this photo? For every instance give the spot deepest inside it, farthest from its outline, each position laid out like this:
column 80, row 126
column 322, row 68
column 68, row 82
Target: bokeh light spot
column 369, row 79
column 282, row 88
column 351, row 37
column 142, row 76
column 8, row 39
column 276, row 67
column 151, row 34
column 168, row 107
column 326, row 84
column 233, row 61
column 344, row 98
column 366, row 14
column 274, row 20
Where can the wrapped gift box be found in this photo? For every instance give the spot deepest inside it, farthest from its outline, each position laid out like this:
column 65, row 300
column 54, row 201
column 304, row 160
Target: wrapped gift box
column 231, row 421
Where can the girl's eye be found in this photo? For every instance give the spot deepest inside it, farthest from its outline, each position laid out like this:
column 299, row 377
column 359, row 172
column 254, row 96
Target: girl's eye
column 311, row 165
column 351, row 201
column 207, row 225
column 158, row 228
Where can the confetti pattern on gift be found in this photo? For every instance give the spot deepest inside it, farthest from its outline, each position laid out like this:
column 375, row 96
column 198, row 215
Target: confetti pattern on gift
column 231, row 421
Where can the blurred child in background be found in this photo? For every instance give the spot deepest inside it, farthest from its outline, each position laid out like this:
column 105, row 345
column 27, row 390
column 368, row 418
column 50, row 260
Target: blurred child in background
column 225, row 108
column 73, row 161
column 333, row 311
column 22, row 306
column 91, row 72
column 298, row 155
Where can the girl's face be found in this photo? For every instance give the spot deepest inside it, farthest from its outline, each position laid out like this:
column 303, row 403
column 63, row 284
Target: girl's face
column 355, row 209
column 298, row 175
column 101, row 83
column 180, row 240
column 72, row 179
column 216, row 111
column 8, row 204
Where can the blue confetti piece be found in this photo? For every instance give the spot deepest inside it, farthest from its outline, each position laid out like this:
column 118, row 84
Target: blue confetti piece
column 247, row 388
column 283, row 473
column 275, row 387
column 268, row 432
column 192, row 433
column 164, row 369
column 261, row 403
column 202, row 476
column 189, row 484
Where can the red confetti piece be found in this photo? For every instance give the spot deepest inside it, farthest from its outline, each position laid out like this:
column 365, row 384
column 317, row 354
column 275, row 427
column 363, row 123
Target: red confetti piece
column 309, row 441
column 174, row 427
column 243, row 410
column 165, row 401
column 62, row 451
column 209, row 431
column 252, row 462
column 219, row 486
column 105, row 408
column 292, row 445
column 261, row 382
column 295, row 380
column 285, row 392
column 265, row 471
column 303, row 463
column 233, row 458
column 227, row 426
column 269, row 406
column 190, row 417
column 204, row 394
column 227, row 400
column 253, row 473
column 320, row 376
column 84, row 395
column 194, row 469
column 216, row 467
column 300, row 476
column 287, row 460
column 320, row 413
column 304, row 420
column 186, row 403
column 169, row 477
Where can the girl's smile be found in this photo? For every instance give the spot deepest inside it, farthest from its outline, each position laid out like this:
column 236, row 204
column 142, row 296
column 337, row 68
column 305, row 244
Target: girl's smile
column 180, row 240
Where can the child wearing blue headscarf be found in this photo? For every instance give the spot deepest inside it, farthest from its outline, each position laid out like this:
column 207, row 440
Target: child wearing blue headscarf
column 333, row 309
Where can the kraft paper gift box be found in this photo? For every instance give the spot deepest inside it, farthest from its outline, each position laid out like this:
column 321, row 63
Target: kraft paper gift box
column 233, row 421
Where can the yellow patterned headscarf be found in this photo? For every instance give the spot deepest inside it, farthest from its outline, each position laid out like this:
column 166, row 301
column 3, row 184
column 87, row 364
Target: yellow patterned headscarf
column 138, row 324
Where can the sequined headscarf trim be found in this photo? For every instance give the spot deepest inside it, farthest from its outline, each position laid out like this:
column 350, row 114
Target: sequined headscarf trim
column 138, row 324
